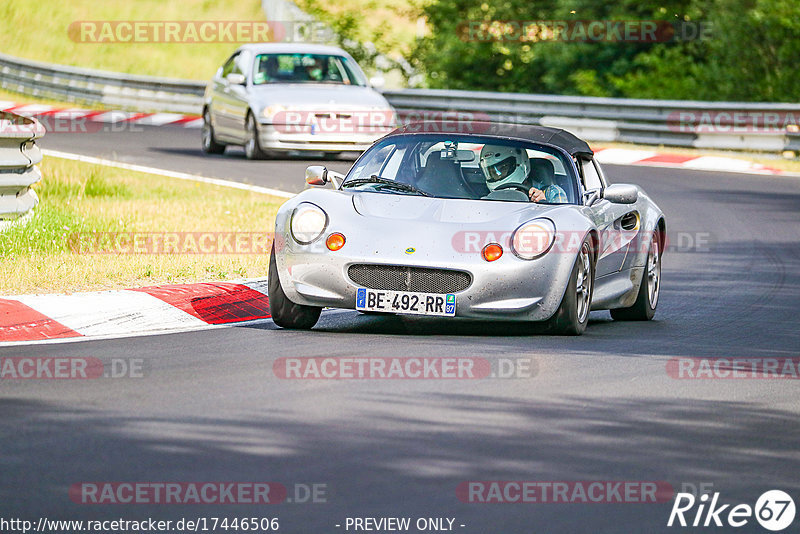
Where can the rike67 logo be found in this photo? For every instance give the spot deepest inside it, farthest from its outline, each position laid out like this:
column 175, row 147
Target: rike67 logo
column 774, row 510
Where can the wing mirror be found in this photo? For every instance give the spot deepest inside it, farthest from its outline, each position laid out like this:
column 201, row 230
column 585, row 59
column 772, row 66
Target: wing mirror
column 235, row 78
column 319, row 175
column 621, row 193
column 377, row 82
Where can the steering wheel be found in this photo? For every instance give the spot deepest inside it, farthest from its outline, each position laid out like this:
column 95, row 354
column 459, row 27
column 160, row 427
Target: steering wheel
column 518, row 187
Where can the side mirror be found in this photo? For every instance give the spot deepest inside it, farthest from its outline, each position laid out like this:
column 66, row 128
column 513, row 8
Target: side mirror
column 316, row 175
column 621, row 193
column 234, row 78
column 377, row 82
column 319, row 175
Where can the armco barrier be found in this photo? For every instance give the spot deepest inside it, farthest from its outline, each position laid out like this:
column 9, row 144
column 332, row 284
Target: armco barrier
column 89, row 86
column 648, row 122
column 18, row 171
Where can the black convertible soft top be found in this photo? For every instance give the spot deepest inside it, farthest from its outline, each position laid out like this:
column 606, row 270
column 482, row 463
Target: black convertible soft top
column 527, row 132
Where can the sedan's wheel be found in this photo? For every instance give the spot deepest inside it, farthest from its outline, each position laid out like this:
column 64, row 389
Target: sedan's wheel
column 210, row 145
column 252, row 146
column 572, row 315
column 647, row 298
column 286, row 313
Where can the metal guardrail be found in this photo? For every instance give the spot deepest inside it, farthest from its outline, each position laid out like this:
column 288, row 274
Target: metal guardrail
column 648, row 122
column 19, row 156
column 89, row 86
column 682, row 123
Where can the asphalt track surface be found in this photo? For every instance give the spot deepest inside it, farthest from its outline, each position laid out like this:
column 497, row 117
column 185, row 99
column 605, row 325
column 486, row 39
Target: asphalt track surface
column 599, row 407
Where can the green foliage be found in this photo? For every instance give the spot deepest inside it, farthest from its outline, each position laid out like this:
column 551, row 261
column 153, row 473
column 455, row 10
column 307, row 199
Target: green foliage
column 749, row 52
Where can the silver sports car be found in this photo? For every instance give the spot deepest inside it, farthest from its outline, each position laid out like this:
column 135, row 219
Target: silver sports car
column 500, row 222
column 283, row 97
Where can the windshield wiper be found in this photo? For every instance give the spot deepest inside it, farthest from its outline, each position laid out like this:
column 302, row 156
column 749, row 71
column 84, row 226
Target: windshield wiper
column 375, row 179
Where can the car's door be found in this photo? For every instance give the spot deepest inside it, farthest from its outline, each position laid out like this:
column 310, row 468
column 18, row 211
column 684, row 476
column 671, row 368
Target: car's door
column 607, row 217
column 220, row 103
column 239, row 94
column 230, row 99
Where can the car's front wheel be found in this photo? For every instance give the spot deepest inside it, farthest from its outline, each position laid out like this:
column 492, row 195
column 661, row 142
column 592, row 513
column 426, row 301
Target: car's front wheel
column 252, row 145
column 286, row 313
column 647, row 298
column 572, row 315
column 210, row 144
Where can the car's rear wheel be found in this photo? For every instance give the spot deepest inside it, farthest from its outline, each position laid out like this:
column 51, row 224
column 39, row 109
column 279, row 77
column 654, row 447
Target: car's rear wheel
column 252, row 145
column 286, row 313
column 647, row 298
column 210, row 144
column 572, row 315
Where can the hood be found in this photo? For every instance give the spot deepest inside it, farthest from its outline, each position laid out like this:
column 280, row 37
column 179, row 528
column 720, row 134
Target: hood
column 316, row 96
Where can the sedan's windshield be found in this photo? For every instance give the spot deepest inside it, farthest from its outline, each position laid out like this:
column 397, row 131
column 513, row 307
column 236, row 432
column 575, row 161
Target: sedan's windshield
column 465, row 166
column 305, row 68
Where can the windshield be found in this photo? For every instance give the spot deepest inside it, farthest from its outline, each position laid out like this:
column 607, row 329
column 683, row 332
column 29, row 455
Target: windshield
column 305, row 68
column 465, row 166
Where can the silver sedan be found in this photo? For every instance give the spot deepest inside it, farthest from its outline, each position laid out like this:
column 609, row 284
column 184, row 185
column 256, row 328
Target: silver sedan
column 508, row 222
column 276, row 98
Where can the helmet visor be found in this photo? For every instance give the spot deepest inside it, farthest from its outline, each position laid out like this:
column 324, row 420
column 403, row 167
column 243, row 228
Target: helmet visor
column 500, row 170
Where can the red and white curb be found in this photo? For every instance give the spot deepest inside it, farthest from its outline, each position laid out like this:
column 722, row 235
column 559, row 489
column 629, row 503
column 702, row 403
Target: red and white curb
column 107, row 117
column 146, row 310
column 625, row 156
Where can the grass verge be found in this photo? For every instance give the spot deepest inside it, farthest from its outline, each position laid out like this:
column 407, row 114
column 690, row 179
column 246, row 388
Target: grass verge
column 83, row 206
column 38, row 31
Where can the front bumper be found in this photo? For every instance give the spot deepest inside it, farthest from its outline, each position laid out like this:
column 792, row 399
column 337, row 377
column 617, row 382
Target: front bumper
column 506, row 289
column 305, row 138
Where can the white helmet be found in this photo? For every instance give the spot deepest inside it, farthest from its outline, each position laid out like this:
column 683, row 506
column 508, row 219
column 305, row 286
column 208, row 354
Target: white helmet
column 504, row 164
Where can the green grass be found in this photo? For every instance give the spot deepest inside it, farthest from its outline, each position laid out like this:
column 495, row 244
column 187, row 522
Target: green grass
column 79, row 200
column 38, row 31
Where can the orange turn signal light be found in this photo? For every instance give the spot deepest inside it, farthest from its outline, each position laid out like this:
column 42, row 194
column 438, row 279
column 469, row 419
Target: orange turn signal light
column 335, row 241
column 492, row 252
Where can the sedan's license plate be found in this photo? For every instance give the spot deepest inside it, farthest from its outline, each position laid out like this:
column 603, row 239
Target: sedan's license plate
column 379, row 300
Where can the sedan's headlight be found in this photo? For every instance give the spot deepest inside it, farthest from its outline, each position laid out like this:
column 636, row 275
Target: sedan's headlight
column 270, row 111
column 533, row 238
column 308, row 223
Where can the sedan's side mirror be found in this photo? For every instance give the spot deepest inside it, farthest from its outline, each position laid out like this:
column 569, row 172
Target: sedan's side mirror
column 377, row 82
column 621, row 193
column 235, row 78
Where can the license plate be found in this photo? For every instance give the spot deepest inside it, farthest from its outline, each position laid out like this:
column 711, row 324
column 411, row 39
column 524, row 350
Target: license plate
column 379, row 300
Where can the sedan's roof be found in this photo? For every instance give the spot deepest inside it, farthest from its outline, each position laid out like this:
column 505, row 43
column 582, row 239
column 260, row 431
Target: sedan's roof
column 293, row 48
column 527, row 132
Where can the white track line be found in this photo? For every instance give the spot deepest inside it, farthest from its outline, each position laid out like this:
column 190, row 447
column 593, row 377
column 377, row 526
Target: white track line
column 169, row 174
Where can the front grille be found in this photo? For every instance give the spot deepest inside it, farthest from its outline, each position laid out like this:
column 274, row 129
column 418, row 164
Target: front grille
column 402, row 278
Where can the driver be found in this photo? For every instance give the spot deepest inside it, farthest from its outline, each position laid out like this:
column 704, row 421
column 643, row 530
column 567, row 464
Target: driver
column 505, row 167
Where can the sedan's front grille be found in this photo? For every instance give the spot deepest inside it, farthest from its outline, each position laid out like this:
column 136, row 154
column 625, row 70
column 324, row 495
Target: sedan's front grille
column 403, row 278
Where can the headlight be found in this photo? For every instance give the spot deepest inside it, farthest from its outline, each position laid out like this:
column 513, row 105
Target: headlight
column 308, row 223
column 533, row 238
column 270, row 111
